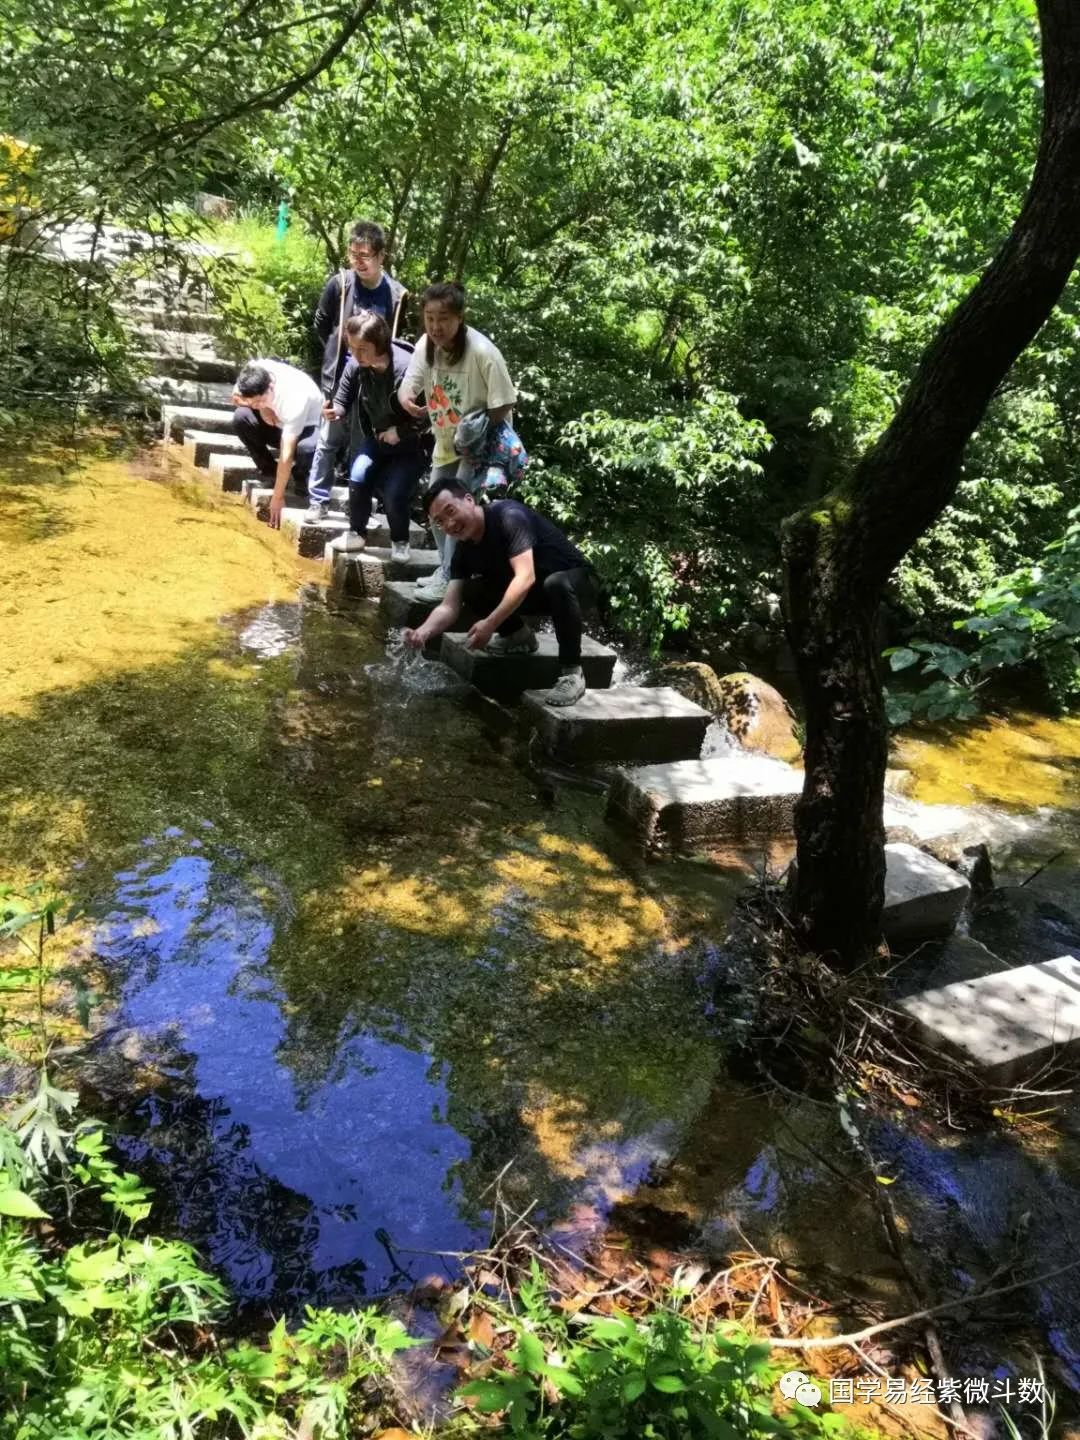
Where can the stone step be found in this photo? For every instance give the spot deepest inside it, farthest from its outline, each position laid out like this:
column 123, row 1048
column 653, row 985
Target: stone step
column 923, row 897
column 170, row 390
column 177, row 420
column 201, row 446
column 313, row 536
column 364, row 574
column 147, row 318
column 688, row 803
column 195, row 365
column 402, row 607
column 628, row 725
column 231, row 470
column 506, row 677
column 1008, row 1024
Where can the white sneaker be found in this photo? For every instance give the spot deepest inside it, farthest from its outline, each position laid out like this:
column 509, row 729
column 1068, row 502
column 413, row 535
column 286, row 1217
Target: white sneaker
column 348, row 541
column 316, row 511
column 432, row 587
column 522, row 642
column 568, row 689
column 399, row 550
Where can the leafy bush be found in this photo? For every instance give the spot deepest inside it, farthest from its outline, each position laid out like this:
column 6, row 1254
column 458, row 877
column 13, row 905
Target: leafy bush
column 267, row 289
column 614, row 1376
column 1030, row 618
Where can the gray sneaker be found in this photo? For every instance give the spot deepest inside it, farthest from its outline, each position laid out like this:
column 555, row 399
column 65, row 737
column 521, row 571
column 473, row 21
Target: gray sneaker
column 316, row 511
column 521, row 642
column 399, row 550
column 569, row 687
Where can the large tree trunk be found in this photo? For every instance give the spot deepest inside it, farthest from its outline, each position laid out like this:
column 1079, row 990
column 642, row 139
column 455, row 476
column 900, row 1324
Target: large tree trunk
column 839, row 553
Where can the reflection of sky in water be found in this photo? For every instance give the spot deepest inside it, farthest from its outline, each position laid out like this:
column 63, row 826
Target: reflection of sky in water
column 275, row 629
column 283, row 1184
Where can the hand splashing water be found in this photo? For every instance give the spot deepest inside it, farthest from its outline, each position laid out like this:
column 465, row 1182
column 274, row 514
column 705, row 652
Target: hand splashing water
column 408, row 672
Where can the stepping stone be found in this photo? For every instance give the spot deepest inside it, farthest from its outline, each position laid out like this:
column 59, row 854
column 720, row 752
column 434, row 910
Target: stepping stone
column 630, row 725
column 1008, row 1023
column 688, row 803
column 150, row 317
column 400, row 606
column 313, row 536
column 505, row 677
column 202, row 393
column 177, row 420
column 198, row 367
column 201, row 445
column 230, row 471
column 365, row 573
column 923, row 897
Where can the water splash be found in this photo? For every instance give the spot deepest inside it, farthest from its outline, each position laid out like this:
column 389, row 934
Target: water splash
column 409, row 672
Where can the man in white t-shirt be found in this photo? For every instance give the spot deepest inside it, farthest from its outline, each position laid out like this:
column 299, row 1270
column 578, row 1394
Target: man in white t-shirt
column 278, row 409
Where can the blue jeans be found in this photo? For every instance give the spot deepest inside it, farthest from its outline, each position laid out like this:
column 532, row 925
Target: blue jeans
column 395, row 469
column 335, row 437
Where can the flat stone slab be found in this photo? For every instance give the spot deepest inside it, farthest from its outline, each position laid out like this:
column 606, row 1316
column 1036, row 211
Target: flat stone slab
column 230, row 471
column 923, row 897
column 629, row 725
column 200, row 446
column 178, row 419
column 505, row 677
column 195, row 394
column 687, row 803
column 400, row 606
column 1007, row 1023
column 366, row 572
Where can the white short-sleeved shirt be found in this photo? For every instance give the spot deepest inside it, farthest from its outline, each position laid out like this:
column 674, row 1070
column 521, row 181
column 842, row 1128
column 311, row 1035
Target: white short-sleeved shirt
column 297, row 400
column 478, row 381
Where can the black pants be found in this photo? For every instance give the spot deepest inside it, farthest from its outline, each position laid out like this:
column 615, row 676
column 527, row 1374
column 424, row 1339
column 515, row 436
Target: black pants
column 564, row 595
column 262, row 441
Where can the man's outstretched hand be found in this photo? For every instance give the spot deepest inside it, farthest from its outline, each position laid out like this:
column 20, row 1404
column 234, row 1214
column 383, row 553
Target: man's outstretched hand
column 414, row 639
column 479, row 635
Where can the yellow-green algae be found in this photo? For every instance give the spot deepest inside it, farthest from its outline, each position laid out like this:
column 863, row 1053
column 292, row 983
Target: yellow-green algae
column 431, row 893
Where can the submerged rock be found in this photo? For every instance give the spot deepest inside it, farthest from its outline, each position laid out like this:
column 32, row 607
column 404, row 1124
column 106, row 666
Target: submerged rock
column 1024, row 927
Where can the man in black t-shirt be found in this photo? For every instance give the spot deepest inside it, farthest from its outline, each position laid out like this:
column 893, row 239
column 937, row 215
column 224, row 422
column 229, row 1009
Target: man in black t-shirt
column 510, row 561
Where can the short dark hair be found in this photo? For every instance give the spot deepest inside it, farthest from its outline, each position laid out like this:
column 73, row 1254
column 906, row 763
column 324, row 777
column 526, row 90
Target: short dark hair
column 369, row 326
column 254, row 379
column 452, row 295
column 366, row 232
column 456, row 488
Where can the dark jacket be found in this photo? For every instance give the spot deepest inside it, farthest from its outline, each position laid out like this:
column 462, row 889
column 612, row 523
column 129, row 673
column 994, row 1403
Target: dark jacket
column 328, row 312
column 376, row 394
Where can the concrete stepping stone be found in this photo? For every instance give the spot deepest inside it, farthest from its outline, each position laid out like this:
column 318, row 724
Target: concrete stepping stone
column 629, row 725
column 402, row 607
column 170, row 390
column 200, row 446
column 505, row 677
column 364, row 573
column 313, row 536
column 687, row 803
column 197, row 367
column 177, row 420
column 151, row 317
column 230, row 471
column 1008, row 1023
column 923, row 897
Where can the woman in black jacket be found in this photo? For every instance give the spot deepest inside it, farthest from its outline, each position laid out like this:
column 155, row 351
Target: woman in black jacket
column 396, row 450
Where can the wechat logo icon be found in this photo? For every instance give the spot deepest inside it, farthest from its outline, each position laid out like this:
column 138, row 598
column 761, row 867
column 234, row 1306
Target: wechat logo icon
column 794, row 1385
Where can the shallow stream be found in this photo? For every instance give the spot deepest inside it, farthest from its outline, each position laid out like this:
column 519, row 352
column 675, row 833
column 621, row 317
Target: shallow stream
column 354, row 964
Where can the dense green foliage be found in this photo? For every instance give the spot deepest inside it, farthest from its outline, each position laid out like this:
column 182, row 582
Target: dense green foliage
column 711, row 239
column 1030, row 618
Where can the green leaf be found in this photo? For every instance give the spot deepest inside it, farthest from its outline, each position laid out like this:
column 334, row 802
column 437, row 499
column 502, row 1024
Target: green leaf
column 667, row 1384
column 20, row 1205
column 901, row 658
column 529, row 1353
column 633, row 1387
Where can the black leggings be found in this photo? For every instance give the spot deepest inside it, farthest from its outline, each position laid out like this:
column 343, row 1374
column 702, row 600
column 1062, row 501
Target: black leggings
column 563, row 594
